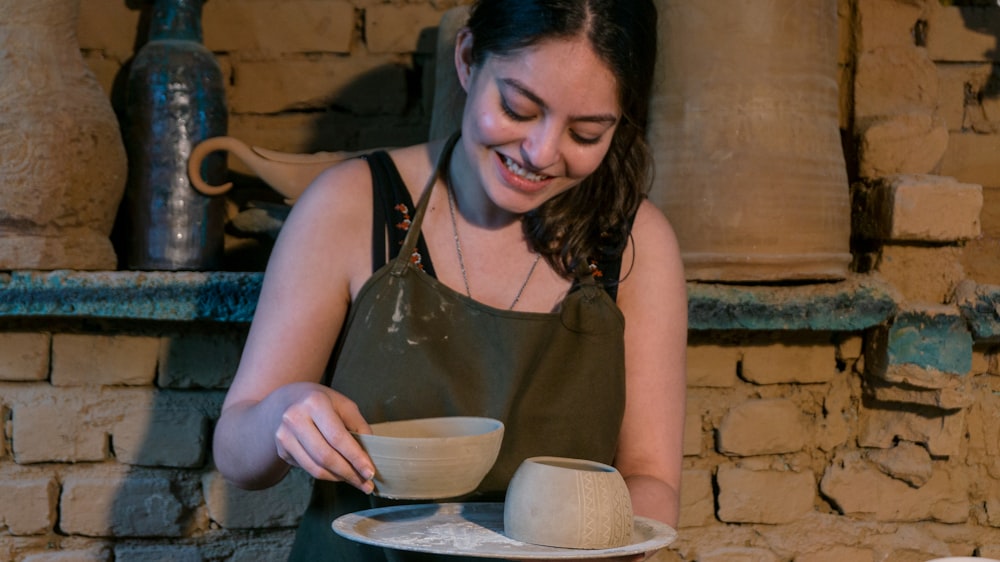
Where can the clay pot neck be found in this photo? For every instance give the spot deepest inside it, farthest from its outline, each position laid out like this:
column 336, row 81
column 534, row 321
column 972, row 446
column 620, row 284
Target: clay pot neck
column 43, row 26
column 177, row 20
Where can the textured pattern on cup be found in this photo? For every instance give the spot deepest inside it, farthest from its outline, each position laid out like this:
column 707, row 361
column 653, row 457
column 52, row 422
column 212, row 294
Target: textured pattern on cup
column 568, row 503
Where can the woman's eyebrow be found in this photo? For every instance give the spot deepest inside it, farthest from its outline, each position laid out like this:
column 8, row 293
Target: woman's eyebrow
column 524, row 91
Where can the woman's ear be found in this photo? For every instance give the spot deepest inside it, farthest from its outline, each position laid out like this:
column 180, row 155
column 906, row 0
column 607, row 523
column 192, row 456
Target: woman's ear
column 463, row 56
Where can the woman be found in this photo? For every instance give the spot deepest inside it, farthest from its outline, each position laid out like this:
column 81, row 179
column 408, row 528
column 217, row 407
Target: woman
column 531, row 216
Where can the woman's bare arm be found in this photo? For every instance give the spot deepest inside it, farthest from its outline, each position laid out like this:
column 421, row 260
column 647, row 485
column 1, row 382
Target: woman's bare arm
column 653, row 298
column 276, row 413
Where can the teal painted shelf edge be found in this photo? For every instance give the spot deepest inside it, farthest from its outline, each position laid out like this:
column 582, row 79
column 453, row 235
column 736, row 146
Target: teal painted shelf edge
column 132, row 295
column 854, row 304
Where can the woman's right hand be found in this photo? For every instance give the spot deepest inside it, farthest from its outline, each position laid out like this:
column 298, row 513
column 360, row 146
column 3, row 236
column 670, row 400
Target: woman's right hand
column 314, row 434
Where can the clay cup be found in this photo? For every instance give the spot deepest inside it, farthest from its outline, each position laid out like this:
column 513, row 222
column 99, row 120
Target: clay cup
column 568, row 503
column 432, row 458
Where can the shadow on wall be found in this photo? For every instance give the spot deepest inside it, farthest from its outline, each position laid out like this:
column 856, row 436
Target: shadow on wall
column 394, row 102
column 168, row 501
column 980, row 125
column 982, row 103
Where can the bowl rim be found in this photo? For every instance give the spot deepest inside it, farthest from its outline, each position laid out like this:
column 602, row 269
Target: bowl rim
column 566, row 463
column 497, row 426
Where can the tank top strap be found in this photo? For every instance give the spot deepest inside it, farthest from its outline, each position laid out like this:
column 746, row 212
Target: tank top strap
column 391, row 210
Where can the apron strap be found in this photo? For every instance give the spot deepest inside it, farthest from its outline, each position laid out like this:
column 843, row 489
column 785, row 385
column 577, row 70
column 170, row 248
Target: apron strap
column 586, row 282
column 413, row 233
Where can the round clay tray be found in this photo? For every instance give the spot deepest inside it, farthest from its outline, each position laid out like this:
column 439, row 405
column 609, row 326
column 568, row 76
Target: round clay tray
column 475, row 530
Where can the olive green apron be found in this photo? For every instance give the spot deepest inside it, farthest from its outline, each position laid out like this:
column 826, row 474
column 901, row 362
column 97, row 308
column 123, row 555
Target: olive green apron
column 415, row 348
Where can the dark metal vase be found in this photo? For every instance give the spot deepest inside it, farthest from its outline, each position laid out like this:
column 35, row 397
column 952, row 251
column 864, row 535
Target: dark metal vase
column 175, row 99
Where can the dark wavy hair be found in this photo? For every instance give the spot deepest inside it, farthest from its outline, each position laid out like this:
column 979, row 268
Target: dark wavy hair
column 592, row 220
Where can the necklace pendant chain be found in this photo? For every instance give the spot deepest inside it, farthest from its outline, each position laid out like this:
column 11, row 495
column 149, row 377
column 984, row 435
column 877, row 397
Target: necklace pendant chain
column 458, row 243
column 461, row 258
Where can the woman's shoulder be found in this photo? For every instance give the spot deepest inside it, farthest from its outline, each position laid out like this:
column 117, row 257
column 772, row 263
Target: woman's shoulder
column 341, row 196
column 339, row 199
column 654, row 269
column 416, row 163
column 653, row 251
column 337, row 205
column 340, row 183
column 653, row 228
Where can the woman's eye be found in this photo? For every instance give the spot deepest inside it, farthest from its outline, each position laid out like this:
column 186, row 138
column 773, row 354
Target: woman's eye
column 581, row 139
column 511, row 113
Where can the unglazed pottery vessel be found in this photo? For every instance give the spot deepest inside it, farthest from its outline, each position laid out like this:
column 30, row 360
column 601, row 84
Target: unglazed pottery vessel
column 62, row 160
column 287, row 173
column 432, row 458
column 750, row 167
column 568, row 503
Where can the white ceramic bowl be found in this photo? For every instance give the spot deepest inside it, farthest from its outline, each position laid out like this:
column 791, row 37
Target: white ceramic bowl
column 568, row 503
column 432, row 458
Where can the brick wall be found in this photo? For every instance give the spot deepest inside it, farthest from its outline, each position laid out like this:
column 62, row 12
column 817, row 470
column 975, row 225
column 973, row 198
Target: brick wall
column 106, row 450
column 928, row 102
column 818, row 446
column 792, row 452
column 302, row 75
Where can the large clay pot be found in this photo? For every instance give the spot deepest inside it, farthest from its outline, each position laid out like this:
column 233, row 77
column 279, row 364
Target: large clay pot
column 62, row 160
column 745, row 134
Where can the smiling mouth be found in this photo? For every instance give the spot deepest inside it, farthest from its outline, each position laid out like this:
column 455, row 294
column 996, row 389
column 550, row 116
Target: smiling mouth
column 519, row 171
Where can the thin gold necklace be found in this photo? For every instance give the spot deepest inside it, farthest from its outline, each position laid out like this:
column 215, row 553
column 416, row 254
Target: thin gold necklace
column 461, row 259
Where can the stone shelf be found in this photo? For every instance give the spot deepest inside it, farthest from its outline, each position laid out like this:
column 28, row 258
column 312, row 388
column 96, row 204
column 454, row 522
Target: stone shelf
column 132, row 295
column 855, row 304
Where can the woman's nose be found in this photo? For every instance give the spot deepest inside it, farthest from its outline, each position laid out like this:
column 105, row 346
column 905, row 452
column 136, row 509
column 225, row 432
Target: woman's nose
column 540, row 148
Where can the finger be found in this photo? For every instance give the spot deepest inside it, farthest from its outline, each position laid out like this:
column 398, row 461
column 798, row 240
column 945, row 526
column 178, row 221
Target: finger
column 335, row 433
column 315, row 453
column 291, row 450
column 304, row 442
column 326, row 464
column 334, row 430
column 286, row 456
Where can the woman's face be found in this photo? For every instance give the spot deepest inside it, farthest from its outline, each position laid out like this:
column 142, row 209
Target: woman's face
column 536, row 122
